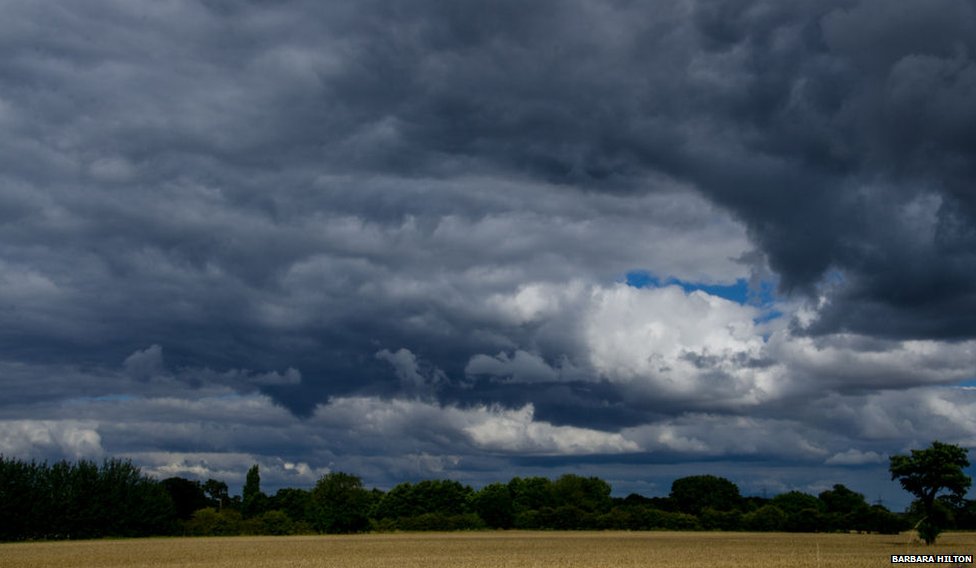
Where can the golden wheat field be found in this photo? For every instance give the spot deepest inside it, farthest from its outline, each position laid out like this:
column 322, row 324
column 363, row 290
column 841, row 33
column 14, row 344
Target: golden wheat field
column 485, row 549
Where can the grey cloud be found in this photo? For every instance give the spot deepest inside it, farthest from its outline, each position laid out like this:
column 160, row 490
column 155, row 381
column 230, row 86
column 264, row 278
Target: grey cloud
column 519, row 367
column 72, row 438
column 855, row 457
column 225, row 201
column 212, row 432
column 413, row 375
column 791, row 117
column 145, row 364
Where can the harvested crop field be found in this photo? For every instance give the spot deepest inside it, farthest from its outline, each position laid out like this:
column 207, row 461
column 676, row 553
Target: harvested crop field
column 486, row 549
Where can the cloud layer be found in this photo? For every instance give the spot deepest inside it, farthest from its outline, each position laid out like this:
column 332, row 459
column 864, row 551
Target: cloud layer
column 397, row 240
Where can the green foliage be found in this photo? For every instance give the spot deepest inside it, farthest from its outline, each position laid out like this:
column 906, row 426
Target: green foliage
column 639, row 515
column 795, row 501
column 444, row 497
column 230, row 522
column 439, row 522
column 966, row 515
column 928, row 473
column 589, row 494
column 693, row 494
column 80, row 500
column 399, row 502
column 87, row 500
column 211, row 522
column 441, row 496
column 22, row 508
column 187, row 496
column 530, row 493
column 273, row 523
column 842, row 500
column 217, row 493
column 617, row 518
column 339, row 504
column 713, row 520
column 647, row 518
column 293, row 502
column 928, row 530
column 767, row 518
column 138, row 504
column 566, row 517
column 881, row 520
column 804, row 513
column 847, row 510
column 570, row 502
column 493, row 503
column 253, row 501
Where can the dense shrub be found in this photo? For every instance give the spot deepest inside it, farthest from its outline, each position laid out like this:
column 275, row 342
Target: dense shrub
column 211, row 522
column 440, row 522
column 767, row 518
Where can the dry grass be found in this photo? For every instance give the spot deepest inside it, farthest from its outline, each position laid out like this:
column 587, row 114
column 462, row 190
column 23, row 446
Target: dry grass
column 485, row 549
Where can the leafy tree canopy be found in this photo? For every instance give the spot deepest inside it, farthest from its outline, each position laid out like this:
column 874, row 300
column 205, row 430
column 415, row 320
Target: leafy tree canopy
column 339, row 504
column 187, row 495
column 590, row 494
column 694, row 493
column 928, row 473
column 842, row 500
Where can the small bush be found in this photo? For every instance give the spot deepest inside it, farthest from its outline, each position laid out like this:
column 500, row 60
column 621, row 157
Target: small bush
column 768, row 518
column 210, row 522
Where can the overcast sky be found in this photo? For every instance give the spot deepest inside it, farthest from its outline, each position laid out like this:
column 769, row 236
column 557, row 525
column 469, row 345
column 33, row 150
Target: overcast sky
column 473, row 240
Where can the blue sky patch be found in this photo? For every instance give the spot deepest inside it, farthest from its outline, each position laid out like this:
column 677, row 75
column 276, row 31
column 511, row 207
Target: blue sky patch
column 738, row 292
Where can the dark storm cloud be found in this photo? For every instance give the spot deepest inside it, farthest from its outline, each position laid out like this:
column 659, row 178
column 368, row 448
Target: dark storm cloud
column 408, row 224
column 841, row 134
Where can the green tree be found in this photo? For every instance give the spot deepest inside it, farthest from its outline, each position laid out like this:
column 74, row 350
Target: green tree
column 846, row 509
column 443, row 496
column 294, row 503
column 493, row 503
column 881, row 520
column 720, row 520
column 766, row 518
column 928, row 473
column 426, row 505
column 21, row 504
column 253, row 501
column 530, row 493
column 130, row 503
column 218, row 493
column 804, row 513
column 80, row 500
column 399, row 502
column 210, row 522
column 694, row 493
column 275, row 523
column 339, row 504
column 966, row 515
column 589, row 494
column 187, row 495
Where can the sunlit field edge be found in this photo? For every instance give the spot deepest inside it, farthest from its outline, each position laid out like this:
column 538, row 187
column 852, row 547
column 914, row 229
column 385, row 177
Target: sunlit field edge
column 514, row 549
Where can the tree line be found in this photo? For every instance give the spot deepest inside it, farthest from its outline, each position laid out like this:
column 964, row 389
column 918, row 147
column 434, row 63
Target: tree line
column 84, row 499
column 81, row 500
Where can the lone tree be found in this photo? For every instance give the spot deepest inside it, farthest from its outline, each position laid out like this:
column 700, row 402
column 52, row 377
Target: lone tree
column 927, row 473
